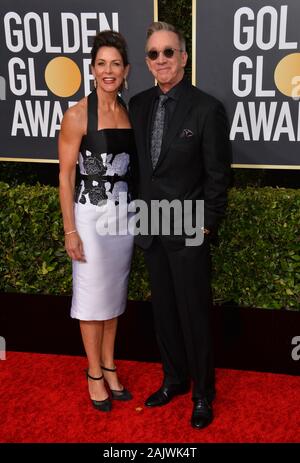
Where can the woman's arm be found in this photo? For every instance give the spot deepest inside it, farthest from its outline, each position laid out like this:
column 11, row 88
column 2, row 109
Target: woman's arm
column 68, row 148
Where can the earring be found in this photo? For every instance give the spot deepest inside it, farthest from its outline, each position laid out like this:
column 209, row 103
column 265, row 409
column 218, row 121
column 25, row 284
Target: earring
column 95, row 83
column 125, row 83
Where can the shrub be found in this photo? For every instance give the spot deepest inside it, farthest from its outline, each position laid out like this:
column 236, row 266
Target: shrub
column 257, row 262
column 31, row 245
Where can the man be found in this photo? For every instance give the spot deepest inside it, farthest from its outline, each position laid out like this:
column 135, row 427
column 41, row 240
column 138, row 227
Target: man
column 183, row 154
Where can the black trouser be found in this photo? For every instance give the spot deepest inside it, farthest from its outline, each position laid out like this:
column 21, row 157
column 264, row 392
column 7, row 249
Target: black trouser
column 181, row 300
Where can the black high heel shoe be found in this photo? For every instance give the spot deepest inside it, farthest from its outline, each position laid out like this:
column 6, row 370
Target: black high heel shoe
column 123, row 394
column 102, row 405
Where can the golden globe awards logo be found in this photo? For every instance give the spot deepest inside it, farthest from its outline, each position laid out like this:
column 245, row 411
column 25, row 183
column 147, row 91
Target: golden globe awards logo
column 36, row 78
column 264, row 118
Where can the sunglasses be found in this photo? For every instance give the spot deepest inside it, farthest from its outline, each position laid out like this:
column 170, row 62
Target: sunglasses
column 167, row 52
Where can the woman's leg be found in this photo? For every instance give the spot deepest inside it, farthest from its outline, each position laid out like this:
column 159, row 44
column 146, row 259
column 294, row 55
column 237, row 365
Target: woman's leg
column 107, row 352
column 92, row 336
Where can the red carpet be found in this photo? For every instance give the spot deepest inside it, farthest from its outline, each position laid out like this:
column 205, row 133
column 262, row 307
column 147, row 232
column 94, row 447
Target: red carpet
column 43, row 398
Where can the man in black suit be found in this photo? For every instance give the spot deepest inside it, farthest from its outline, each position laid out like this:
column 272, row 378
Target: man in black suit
column 183, row 154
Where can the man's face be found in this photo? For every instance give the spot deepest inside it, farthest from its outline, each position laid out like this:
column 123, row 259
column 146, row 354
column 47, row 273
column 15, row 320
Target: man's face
column 168, row 71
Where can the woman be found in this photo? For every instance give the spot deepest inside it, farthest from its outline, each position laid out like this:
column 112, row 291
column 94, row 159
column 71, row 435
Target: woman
column 96, row 132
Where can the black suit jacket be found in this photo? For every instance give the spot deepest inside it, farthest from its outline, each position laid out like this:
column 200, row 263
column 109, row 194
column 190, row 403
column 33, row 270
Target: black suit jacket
column 195, row 157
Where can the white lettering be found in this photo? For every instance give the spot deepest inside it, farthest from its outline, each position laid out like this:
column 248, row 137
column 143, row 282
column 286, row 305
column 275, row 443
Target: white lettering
column 296, row 87
column 13, row 77
column 87, row 75
column 248, row 31
column 243, row 36
column 239, row 118
column 284, row 115
column 35, row 33
column 32, row 80
column 296, row 350
column 66, row 19
column 260, row 28
column 57, row 116
column 261, row 121
column 9, row 33
column 247, row 78
column 283, row 44
column 19, row 120
column 86, row 33
column 38, row 119
column 48, row 47
column 33, row 18
column 259, row 78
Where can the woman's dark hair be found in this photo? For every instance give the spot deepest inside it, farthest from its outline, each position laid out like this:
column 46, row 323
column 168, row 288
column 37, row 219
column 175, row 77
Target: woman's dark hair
column 110, row 39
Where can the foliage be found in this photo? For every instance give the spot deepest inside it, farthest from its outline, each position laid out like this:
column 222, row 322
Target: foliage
column 33, row 259
column 179, row 13
column 256, row 262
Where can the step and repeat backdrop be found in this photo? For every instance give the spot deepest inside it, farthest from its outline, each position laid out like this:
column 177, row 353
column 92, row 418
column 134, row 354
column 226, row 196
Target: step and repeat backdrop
column 45, row 65
column 247, row 54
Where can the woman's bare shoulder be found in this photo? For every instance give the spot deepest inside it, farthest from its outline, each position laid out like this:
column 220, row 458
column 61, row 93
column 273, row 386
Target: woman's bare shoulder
column 77, row 115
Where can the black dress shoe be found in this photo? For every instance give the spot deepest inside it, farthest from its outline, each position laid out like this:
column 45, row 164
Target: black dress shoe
column 202, row 414
column 166, row 393
column 116, row 394
column 101, row 405
column 210, row 395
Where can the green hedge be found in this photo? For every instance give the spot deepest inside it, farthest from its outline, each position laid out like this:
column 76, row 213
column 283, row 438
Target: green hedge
column 33, row 259
column 256, row 262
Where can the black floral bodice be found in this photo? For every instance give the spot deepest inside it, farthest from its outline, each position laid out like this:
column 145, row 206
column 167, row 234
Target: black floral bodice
column 104, row 161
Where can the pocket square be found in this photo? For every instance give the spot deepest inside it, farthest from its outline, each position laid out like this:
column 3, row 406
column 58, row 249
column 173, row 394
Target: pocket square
column 186, row 133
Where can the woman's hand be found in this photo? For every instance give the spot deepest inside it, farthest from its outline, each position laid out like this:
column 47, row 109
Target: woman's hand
column 74, row 247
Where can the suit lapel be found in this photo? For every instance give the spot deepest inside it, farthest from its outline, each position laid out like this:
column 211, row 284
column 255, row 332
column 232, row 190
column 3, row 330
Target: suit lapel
column 183, row 106
column 149, row 104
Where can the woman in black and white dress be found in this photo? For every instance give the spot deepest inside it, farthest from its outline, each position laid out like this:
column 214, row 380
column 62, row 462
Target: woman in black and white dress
column 96, row 132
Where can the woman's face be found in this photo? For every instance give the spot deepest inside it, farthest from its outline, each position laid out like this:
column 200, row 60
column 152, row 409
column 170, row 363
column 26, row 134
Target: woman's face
column 109, row 70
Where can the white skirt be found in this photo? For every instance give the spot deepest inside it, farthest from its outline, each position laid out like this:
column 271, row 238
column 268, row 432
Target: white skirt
column 100, row 284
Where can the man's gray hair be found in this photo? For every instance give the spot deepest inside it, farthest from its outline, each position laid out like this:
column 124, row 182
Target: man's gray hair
column 162, row 26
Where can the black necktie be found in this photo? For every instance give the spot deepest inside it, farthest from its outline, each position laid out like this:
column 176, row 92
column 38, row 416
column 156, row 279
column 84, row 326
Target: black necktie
column 158, row 130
